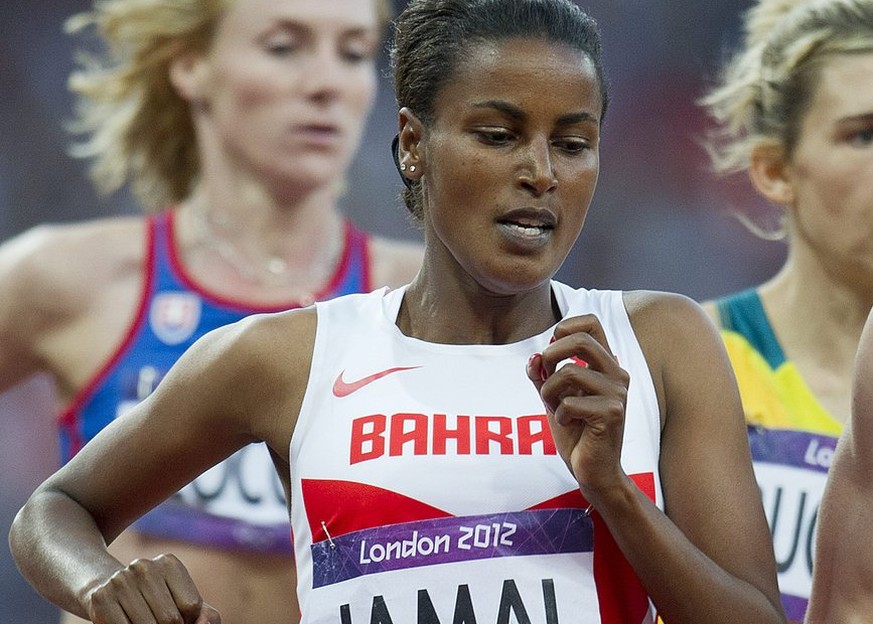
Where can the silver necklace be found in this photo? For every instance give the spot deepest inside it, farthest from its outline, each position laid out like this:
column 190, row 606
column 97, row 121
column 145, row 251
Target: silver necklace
column 268, row 270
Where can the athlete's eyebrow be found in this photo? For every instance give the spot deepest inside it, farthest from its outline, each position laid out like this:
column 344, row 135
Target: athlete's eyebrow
column 863, row 118
column 504, row 107
column 347, row 31
column 574, row 118
column 516, row 113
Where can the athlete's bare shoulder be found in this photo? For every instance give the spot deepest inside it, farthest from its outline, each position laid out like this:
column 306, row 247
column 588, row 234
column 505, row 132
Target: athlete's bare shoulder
column 257, row 368
column 679, row 340
column 55, row 266
column 274, row 343
column 664, row 317
column 52, row 275
column 395, row 262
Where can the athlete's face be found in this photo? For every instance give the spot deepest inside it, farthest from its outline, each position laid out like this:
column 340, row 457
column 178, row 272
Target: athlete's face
column 288, row 84
column 510, row 162
column 831, row 171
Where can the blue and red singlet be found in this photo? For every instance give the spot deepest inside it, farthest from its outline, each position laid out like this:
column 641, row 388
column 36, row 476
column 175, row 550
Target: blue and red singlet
column 239, row 503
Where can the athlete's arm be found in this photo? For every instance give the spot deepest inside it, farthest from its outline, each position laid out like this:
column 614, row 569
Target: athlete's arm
column 239, row 384
column 842, row 584
column 720, row 563
column 710, row 558
column 23, row 316
column 67, row 295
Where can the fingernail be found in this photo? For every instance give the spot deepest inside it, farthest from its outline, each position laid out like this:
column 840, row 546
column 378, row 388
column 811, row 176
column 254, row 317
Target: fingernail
column 530, row 361
column 537, row 369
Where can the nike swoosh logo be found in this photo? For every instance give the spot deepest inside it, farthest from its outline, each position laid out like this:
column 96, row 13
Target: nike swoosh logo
column 342, row 389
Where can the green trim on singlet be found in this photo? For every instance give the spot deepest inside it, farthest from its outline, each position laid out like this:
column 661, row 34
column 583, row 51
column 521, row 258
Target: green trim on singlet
column 773, row 391
column 744, row 314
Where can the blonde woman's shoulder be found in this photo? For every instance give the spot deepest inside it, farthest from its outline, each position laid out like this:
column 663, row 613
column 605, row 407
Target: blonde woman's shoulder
column 56, row 264
column 53, row 276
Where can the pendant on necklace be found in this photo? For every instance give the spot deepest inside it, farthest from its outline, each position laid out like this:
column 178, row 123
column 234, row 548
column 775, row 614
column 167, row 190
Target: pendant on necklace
column 277, row 266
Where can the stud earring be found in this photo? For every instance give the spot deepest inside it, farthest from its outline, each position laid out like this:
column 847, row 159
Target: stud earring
column 403, row 167
column 412, row 168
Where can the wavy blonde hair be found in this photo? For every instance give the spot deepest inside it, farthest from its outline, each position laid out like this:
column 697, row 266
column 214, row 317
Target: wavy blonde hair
column 136, row 127
column 767, row 87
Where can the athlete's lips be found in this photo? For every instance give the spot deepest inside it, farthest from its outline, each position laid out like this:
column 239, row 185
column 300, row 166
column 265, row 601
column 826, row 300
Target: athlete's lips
column 314, row 132
column 542, row 218
column 317, row 127
column 527, row 229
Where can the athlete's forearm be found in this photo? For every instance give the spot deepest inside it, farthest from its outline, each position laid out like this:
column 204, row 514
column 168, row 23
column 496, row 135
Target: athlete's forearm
column 684, row 583
column 60, row 550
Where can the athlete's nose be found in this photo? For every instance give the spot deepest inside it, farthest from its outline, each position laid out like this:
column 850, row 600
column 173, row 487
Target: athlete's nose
column 327, row 73
column 537, row 173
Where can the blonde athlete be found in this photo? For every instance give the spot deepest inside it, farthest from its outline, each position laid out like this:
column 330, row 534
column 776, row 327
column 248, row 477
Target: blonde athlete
column 235, row 121
column 795, row 112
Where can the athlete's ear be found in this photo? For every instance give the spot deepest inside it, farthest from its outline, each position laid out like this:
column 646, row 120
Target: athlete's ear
column 771, row 174
column 410, row 147
column 189, row 75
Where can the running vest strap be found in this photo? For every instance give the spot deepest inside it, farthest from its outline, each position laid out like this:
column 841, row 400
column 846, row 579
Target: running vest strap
column 239, row 503
column 792, row 438
column 426, row 486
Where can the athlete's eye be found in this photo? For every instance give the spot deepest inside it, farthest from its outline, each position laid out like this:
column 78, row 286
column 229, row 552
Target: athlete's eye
column 281, row 43
column 862, row 137
column 496, row 137
column 572, row 145
column 358, row 50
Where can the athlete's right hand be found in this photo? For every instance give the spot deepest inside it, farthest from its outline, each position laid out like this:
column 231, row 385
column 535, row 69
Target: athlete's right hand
column 150, row 591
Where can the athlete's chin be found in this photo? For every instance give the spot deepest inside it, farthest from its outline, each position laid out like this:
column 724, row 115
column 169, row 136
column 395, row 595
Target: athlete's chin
column 307, row 171
column 514, row 278
column 291, row 189
column 515, row 284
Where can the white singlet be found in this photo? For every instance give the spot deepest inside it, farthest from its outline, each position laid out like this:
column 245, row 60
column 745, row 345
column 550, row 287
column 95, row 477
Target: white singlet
column 426, row 487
